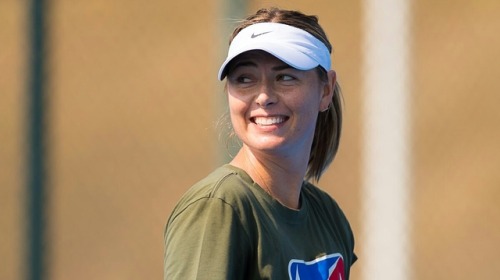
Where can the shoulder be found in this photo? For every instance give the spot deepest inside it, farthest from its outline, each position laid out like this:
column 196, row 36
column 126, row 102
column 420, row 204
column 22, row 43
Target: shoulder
column 206, row 228
column 319, row 197
column 320, row 201
column 225, row 185
column 324, row 206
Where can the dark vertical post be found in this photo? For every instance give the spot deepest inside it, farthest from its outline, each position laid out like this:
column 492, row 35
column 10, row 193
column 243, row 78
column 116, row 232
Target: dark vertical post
column 36, row 188
column 232, row 12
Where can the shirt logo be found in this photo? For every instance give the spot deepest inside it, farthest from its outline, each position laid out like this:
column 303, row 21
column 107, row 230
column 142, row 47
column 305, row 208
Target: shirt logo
column 330, row 267
column 258, row 34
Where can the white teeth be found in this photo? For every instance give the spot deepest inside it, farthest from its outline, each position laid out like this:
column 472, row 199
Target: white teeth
column 269, row 120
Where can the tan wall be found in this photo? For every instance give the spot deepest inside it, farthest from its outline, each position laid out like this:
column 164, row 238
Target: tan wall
column 133, row 102
column 457, row 140
column 12, row 70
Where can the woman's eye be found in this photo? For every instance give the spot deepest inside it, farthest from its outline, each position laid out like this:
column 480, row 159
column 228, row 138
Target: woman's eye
column 243, row 79
column 285, row 78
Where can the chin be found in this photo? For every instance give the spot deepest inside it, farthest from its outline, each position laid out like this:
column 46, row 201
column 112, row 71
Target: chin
column 266, row 145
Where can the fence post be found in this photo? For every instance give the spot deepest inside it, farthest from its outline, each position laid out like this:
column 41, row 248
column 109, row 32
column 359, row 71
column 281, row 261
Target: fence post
column 231, row 11
column 387, row 137
column 36, row 134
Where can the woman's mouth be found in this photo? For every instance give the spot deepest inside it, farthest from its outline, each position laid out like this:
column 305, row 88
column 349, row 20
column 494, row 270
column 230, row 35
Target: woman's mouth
column 264, row 121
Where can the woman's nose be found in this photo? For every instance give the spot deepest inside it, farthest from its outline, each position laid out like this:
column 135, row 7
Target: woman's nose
column 266, row 97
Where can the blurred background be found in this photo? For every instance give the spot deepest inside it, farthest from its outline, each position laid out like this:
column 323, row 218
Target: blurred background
column 131, row 101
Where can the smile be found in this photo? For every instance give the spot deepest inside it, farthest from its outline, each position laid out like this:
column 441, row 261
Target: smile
column 269, row 120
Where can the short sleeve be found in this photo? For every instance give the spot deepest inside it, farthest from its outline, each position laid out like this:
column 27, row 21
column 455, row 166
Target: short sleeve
column 205, row 240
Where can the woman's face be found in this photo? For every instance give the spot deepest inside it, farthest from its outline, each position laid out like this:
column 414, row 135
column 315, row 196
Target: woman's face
column 273, row 107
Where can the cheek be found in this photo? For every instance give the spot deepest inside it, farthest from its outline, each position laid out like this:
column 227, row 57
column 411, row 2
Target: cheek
column 307, row 108
column 236, row 105
column 306, row 103
column 238, row 110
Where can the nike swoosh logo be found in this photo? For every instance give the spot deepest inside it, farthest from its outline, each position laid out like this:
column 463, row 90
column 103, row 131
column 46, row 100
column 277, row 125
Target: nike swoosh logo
column 258, row 34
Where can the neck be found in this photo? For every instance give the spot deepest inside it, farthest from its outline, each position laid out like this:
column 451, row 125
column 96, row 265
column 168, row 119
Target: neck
column 281, row 177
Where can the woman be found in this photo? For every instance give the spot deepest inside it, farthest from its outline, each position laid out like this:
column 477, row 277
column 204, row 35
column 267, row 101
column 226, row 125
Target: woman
column 259, row 217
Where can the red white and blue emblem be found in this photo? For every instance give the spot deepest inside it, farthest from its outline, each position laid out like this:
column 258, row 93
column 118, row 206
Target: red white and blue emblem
column 330, row 267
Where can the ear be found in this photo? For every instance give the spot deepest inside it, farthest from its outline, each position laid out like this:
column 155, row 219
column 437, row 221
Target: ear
column 328, row 88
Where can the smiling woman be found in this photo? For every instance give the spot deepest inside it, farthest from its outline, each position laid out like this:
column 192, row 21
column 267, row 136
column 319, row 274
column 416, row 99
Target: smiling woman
column 274, row 107
column 258, row 217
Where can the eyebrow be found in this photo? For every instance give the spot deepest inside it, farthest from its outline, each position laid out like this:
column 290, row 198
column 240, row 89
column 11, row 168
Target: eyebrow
column 243, row 63
column 282, row 67
column 253, row 64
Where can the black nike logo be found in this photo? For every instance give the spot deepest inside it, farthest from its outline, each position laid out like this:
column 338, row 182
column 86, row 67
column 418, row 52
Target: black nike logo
column 258, row 34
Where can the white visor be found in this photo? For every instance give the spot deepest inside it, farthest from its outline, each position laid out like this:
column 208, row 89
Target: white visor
column 292, row 45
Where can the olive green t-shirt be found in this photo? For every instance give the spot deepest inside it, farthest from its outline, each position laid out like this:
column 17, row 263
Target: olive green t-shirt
column 227, row 227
